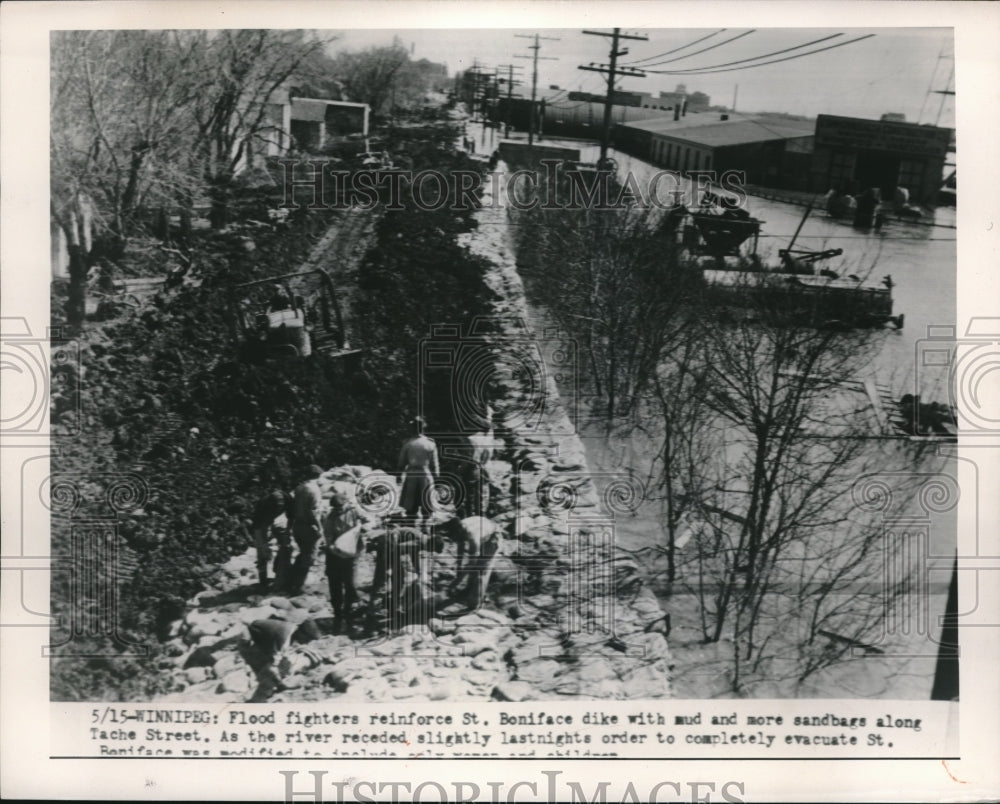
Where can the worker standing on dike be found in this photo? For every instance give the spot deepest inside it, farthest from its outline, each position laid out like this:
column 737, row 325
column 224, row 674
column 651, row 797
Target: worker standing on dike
column 307, row 503
column 265, row 512
column 418, row 466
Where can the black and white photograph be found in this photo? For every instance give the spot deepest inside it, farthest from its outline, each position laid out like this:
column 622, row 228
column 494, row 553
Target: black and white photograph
column 528, row 391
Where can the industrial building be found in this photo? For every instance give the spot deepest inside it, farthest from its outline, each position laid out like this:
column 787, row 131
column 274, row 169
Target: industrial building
column 773, row 150
column 581, row 114
column 853, row 154
column 844, row 153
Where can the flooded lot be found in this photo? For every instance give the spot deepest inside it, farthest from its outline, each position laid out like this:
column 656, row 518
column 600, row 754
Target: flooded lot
column 921, row 259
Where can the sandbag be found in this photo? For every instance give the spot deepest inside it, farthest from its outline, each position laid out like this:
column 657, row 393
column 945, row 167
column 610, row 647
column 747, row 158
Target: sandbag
column 346, row 544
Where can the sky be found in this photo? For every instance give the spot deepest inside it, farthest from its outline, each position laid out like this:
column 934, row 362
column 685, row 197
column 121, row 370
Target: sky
column 891, row 71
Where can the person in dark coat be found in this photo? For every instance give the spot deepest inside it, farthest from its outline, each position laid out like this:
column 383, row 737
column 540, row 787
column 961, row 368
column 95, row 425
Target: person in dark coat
column 267, row 509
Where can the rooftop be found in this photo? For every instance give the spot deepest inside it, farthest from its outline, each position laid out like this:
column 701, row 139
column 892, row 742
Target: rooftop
column 314, row 109
column 708, row 129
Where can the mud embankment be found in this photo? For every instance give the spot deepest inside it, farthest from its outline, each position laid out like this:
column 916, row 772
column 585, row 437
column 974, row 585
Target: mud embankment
column 567, row 615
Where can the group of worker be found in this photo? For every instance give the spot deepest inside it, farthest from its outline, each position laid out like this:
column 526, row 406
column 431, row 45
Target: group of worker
column 400, row 540
column 868, row 209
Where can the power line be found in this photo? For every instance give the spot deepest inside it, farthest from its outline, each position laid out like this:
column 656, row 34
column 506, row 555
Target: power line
column 937, row 64
column 703, row 50
column 763, row 56
column 682, row 47
column 763, row 63
column 944, row 93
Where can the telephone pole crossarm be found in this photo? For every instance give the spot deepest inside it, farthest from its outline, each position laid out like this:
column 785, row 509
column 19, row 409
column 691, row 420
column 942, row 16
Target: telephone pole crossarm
column 534, row 75
column 612, row 71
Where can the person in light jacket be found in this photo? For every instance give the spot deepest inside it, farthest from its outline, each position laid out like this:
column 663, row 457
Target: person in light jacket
column 343, row 520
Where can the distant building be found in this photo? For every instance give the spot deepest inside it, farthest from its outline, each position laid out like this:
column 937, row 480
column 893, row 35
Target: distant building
column 783, row 152
column 314, row 121
column 773, row 151
column 854, row 154
column 665, row 101
column 307, row 124
column 585, row 119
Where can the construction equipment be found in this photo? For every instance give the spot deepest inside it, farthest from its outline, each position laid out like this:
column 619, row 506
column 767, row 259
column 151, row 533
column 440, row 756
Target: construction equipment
column 719, row 227
column 373, row 158
column 291, row 315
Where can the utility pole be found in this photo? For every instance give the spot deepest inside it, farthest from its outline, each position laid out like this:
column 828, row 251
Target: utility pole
column 510, row 95
column 534, row 76
column 480, row 94
column 944, row 93
column 471, row 99
column 495, row 103
column 485, row 82
column 612, row 69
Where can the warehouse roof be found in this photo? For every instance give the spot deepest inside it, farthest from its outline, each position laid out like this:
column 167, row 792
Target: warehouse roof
column 314, row 109
column 734, row 131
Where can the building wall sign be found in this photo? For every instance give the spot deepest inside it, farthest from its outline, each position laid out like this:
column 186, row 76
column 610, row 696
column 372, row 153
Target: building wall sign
column 874, row 135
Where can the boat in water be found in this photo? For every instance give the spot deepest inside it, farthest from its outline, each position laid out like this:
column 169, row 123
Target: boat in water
column 802, row 298
column 714, row 237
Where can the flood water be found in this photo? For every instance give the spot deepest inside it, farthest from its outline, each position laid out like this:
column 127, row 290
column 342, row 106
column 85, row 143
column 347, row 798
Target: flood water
column 922, row 262
column 920, row 258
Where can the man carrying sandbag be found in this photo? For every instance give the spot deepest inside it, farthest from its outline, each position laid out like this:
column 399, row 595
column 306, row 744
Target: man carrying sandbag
column 343, row 529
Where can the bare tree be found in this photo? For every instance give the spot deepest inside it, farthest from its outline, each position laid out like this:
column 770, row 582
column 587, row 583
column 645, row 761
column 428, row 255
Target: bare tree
column 680, row 421
column 622, row 293
column 783, row 554
column 369, row 75
column 240, row 72
column 149, row 118
column 120, row 121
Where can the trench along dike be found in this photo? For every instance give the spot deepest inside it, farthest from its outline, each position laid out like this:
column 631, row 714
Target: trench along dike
column 566, row 615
